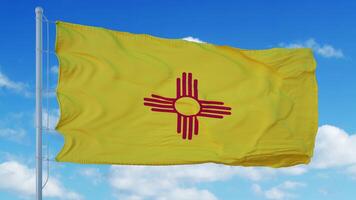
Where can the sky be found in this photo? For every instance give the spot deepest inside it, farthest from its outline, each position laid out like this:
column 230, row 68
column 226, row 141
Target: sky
column 328, row 27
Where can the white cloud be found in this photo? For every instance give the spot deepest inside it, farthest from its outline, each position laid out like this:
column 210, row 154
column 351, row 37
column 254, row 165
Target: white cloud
column 292, row 185
column 17, row 87
column 334, row 148
column 93, row 174
column 188, row 194
column 90, row 172
column 50, row 119
column 323, row 192
column 165, row 182
column 256, row 188
column 351, row 170
column 20, row 179
column 324, row 50
column 170, row 182
column 54, row 69
column 255, row 173
column 49, row 94
column 276, row 193
column 174, row 194
column 294, row 170
column 282, row 191
column 135, row 182
column 192, row 39
column 16, row 135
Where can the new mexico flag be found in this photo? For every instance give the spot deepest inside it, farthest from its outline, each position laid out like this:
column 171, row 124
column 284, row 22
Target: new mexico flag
column 137, row 99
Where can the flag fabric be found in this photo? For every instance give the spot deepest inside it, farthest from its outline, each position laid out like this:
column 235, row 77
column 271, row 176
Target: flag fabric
column 138, row 99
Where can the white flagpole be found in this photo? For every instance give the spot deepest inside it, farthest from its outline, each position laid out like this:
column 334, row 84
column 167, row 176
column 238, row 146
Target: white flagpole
column 39, row 12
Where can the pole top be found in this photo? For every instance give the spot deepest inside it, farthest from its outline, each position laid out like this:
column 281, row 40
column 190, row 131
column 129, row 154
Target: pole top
column 38, row 10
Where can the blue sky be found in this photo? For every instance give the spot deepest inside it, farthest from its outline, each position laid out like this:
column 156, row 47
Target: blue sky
column 327, row 27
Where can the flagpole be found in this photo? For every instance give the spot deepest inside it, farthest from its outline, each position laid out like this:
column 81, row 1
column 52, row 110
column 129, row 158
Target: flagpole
column 39, row 12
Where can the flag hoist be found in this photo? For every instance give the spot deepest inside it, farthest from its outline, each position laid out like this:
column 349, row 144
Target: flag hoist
column 38, row 115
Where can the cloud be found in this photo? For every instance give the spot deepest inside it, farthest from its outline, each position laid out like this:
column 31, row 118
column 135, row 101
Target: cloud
column 282, row 191
column 324, row 192
column 17, row 87
column 334, row 148
column 276, row 193
column 324, row 50
column 294, row 170
column 170, row 182
column 175, row 194
column 188, row 194
column 15, row 135
column 20, row 179
column 93, row 174
column 49, row 91
column 256, row 188
column 50, row 118
column 135, row 182
column 192, row 39
column 351, row 170
column 49, row 94
column 54, row 69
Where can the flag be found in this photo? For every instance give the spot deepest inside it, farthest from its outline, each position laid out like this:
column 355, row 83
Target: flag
column 138, row 99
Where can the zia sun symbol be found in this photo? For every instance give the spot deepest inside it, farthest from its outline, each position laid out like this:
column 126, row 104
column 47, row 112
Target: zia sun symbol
column 187, row 106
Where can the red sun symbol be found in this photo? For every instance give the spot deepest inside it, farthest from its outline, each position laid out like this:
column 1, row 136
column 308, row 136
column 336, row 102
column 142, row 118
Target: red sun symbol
column 187, row 106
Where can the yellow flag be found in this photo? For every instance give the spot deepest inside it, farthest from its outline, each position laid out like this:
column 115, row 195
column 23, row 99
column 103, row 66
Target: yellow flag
column 137, row 99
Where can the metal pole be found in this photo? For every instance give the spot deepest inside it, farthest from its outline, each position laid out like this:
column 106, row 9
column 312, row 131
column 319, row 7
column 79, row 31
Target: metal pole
column 39, row 12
